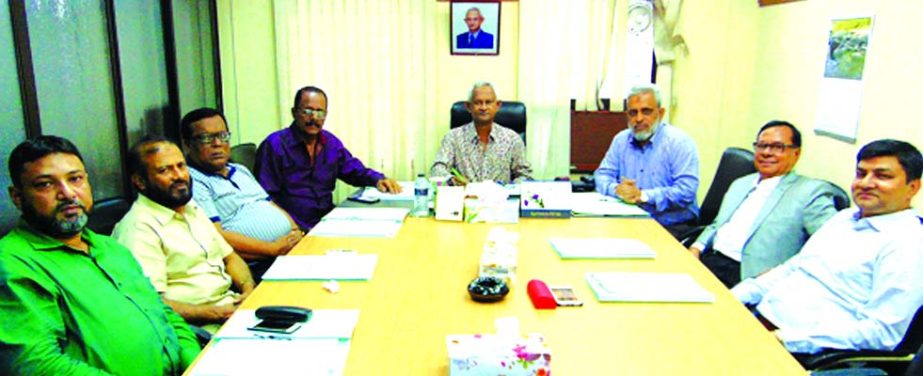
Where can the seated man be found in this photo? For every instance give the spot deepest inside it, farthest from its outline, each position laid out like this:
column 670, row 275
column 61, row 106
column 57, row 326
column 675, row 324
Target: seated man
column 230, row 195
column 856, row 283
column 187, row 260
column 482, row 150
column 72, row 301
column 652, row 164
column 756, row 229
column 299, row 166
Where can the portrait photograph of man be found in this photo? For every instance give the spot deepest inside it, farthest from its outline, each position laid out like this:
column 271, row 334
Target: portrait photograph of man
column 475, row 28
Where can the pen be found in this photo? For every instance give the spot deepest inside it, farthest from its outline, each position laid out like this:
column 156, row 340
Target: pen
column 459, row 176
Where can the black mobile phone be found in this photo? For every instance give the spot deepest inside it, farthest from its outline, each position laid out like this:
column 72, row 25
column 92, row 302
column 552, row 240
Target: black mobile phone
column 364, row 200
column 276, row 326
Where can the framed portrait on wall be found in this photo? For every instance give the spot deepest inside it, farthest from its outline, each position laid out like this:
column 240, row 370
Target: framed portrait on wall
column 474, row 27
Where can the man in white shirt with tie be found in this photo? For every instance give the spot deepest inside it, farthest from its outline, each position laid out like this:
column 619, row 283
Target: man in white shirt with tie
column 765, row 217
column 856, row 283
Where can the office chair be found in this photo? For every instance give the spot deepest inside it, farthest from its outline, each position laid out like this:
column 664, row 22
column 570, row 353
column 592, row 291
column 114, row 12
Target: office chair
column 900, row 357
column 244, row 154
column 734, row 163
column 511, row 115
column 106, row 213
column 840, row 197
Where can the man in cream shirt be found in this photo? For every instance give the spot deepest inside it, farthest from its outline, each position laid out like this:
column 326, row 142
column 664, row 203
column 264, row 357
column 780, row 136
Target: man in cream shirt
column 180, row 251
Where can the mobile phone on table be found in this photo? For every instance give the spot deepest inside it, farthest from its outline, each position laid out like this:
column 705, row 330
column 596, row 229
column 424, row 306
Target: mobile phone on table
column 364, row 200
column 276, row 326
column 565, row 296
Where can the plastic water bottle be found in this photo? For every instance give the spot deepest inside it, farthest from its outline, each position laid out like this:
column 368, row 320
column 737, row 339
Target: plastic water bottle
column 421, row 197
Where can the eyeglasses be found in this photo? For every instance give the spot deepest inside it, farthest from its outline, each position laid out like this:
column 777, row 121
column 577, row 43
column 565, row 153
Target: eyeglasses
column 208, row 138
column 775, row 148
column 320, row 114
column 644, row 111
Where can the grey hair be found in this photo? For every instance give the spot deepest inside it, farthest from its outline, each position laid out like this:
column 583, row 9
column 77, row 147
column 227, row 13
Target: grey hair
column 478, row 85
column 476, row 10
column 644, row 89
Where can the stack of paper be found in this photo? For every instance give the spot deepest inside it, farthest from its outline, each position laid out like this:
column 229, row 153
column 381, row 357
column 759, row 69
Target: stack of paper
column 583, row 248
column 593, row 204
column 361, row 222
column 319, row 347
column 313, row 267
column 228, row 357
column 647, row 287
column 406, row 194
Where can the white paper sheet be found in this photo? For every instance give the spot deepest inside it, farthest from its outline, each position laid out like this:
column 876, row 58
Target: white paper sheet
column 354, row 228
column 313, row 357
column 324, row 323
column 577, row 248
column 368, row 214
column 594, row 204
column 405, row 195
column 647, row 287
column 313, row 267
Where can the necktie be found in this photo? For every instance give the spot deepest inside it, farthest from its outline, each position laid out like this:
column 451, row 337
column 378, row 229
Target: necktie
column 470, row 39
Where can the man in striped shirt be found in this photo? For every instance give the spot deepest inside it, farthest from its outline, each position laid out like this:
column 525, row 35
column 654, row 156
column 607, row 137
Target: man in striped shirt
column 239, row 207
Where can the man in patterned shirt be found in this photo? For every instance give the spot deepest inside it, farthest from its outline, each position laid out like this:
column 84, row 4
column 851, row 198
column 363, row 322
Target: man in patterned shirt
column 482, row 150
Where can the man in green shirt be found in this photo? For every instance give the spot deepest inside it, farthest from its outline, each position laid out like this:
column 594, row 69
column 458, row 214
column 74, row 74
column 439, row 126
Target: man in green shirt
column 71, row 301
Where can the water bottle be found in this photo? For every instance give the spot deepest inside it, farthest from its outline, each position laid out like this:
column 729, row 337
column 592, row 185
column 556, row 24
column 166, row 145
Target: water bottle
column 421, row 197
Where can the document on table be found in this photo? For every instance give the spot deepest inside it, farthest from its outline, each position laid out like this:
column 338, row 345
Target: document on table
column 236, row 356
column 361, row 222
column 356, row 267
column 647, row 287
column 324, row 323
column 594, row 204
column 600, row 248
column 405, row 195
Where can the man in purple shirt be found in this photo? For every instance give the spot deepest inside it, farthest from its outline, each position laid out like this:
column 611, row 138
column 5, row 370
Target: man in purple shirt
column 298, row 166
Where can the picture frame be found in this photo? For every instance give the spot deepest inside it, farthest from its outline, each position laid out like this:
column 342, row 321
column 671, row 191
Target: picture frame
column 486, row 38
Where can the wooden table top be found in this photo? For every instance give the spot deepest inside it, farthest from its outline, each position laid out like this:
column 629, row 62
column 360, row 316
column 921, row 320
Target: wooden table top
column 418, row 295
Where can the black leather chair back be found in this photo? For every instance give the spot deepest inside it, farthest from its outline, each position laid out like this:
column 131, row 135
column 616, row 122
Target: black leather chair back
column 511, row 115
column 840, row 197
column 106, row 213
column 244, row 154
column 735, row 162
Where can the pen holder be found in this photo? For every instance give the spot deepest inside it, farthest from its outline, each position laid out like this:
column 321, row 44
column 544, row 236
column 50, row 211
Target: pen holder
column 540, row 295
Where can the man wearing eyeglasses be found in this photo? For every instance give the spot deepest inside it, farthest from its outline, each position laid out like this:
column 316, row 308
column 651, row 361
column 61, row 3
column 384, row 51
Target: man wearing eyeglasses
column 229, row 194
column 652, row 164
column 474, row 37
column 765, row 217
column 299, row 166
column 855, row 285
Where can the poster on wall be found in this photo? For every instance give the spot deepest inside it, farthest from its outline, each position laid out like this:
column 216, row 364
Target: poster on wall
column 475, row 27
column 840, row 92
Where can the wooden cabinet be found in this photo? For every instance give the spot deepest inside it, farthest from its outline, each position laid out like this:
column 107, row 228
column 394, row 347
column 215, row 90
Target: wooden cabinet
column 591, row 133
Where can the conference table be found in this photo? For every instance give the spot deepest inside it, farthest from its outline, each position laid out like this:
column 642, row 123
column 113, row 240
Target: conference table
column 417, row 296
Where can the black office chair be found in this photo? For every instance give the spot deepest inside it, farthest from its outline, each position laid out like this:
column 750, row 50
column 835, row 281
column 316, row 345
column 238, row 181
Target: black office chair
column 244, row 154
column 511, row 115
column 734, row 163
column 840, row 197
column 106, row 213
column 899, row 358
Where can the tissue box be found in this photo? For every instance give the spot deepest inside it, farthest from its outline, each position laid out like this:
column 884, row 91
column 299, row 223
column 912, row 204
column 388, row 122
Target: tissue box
column 488, row 354
column 450, row 203
column 483, row 211
column 549, row 199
